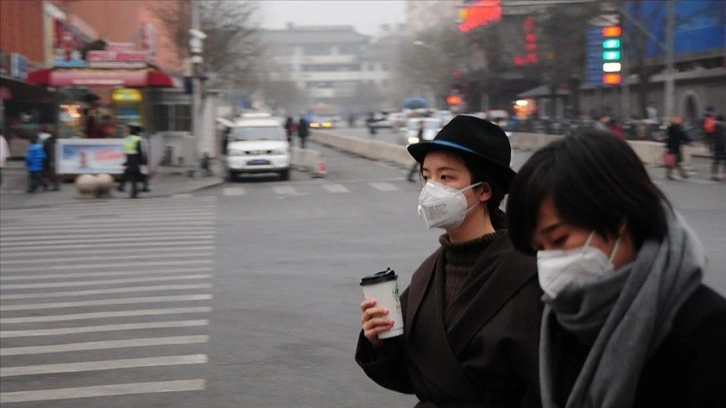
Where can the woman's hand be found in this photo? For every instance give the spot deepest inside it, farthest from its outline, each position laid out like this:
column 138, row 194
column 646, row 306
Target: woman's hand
column 374, row 320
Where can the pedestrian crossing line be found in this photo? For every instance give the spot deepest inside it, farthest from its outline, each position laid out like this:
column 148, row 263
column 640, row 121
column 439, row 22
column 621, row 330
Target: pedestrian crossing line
column 92, row 292
column 44, row 268
column 99, row 237
column 103, row 282
column 182, row 195
column 182, row 240
column 103, row 365
column 284, row 190
column 106, row 302
column 102, row 391
column 6, row 334
column 138, row 213
column 384, row 186
column 192, row 252
column 59, row 256
column 120, row 222
column 103, row 345
column 24, row 277
column 233, row 191
column 122, row 206
column 103, row 315
column 38, row 228
column 120, row 246
column 335, row 188
column 191, row 224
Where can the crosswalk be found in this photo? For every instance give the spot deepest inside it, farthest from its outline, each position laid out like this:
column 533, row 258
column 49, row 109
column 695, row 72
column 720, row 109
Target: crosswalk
column 303, row 189
column 105, row 299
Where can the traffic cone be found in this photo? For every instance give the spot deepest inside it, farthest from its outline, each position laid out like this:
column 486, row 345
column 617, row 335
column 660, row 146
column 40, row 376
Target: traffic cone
column 320, row 169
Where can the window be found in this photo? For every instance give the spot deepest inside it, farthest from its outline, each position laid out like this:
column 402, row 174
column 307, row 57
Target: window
column 257, row 133
column 173, row 117
column 349, row 49
column 316, row 49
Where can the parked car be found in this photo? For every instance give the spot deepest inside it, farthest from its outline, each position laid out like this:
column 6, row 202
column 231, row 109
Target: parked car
column 257, row 145
column 431, row 128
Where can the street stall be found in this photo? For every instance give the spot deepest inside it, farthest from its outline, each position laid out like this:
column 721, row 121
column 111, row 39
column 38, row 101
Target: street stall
column 89, row 129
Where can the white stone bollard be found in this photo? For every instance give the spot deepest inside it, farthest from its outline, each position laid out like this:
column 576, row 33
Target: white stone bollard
column 104, row 182
column 86, row 185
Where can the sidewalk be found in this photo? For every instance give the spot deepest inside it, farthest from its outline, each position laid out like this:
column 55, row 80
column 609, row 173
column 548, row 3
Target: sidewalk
column 166, row 182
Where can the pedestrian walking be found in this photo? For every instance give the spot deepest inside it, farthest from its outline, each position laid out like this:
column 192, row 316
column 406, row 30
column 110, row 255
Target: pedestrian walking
column 34, row 158
column 134, row 159
column 719, row 149
column 49, row 176
column 416, row 167
column 289, row 127
column 472, row 310
column 627, row 321
column 676, row 138
column 4, row 154
column 303, row 131
column 708, row 125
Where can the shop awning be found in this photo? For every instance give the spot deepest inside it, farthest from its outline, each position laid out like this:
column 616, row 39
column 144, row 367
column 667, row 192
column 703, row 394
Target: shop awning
column 101, row 77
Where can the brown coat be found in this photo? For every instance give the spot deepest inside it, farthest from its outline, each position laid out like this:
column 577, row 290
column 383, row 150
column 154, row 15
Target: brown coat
column 488, row 354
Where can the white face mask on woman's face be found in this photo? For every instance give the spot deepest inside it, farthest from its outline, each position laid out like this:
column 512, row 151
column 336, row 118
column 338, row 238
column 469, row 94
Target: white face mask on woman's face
column 558, row 269
column 441, row 206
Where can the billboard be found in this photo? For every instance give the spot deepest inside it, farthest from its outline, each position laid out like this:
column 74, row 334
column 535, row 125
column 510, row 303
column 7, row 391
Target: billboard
column 700, row 25
column 90, row 156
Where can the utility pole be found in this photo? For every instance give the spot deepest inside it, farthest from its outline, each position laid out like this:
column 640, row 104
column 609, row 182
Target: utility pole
column 195, row 45
column 669, row 59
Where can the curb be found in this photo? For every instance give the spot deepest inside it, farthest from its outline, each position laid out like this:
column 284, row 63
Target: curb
column 87, row 200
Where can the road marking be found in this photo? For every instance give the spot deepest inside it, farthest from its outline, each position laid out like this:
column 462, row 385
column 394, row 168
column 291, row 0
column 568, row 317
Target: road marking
column 103, row 365
column 103, row 282
column 5, row 334
column 105, row 302
column 192, row 252
column 128, row 246
column 97, row 237
column 90, row 240
column 103, row 345
column 102, row 391
column 284, row 190
column 233, row 191
column 74, row 255
column 384, row 186
column 97, row 274
column 129, row 265
column 182, row 195
column 35, row 229
column 104, row 315
column 129, row 289
column 335, row 188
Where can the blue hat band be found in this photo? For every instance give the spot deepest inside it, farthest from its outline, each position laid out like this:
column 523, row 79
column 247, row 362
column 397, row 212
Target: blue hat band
column 452, row 144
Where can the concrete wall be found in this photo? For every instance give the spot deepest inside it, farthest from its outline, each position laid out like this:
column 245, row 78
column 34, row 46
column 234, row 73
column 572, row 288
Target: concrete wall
column 651, row 153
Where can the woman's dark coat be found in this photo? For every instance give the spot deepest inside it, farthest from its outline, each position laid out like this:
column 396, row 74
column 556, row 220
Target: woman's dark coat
column 685, row 371
column 488, row 354
column 676, row 138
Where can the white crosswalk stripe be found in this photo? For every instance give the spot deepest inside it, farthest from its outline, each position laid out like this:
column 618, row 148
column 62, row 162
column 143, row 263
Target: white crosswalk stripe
column 233, row 191
column 125, row 281
column 335, row 188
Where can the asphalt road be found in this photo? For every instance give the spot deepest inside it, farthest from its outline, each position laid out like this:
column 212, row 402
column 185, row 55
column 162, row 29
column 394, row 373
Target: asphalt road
column 243, row 295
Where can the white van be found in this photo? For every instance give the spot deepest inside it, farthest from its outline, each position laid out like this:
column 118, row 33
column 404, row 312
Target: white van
column 257, row 145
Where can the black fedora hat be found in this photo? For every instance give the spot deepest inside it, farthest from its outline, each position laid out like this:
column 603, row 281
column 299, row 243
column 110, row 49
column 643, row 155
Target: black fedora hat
column 477, row 138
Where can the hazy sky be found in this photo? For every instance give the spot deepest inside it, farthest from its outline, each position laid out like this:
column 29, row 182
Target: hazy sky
column 365, row 15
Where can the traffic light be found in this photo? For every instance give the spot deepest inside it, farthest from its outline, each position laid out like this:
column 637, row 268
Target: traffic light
column 611, row 55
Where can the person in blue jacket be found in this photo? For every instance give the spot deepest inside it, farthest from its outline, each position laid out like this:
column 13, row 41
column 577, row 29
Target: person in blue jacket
column 34, row 159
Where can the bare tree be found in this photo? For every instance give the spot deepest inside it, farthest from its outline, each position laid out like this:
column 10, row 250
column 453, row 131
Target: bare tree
column 430, row 59
column 562, row 47
column 232, row 44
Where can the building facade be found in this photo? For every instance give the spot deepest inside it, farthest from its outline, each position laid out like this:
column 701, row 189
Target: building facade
column 329, row 64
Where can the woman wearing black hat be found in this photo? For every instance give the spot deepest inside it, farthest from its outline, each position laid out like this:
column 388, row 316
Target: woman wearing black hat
column 472, row 310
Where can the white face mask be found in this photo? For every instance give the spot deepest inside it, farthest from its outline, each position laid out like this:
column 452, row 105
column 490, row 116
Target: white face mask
column 441, row 206
column 558, row 269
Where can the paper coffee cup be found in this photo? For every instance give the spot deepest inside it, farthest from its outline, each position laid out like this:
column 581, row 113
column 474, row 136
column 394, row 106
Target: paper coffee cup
column 383, row 286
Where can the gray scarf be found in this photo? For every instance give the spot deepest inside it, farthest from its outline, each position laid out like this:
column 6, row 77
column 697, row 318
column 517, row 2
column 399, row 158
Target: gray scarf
column 623, row 317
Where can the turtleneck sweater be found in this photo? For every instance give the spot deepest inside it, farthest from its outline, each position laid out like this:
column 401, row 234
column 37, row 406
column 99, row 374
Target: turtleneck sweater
column 460, row 259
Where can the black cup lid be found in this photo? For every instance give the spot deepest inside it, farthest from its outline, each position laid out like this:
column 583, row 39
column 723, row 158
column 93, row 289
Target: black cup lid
column 378, row 277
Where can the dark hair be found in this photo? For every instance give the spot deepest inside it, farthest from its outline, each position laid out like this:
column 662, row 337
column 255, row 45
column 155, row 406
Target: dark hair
column 595, row 181
column 480, row 172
